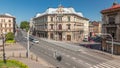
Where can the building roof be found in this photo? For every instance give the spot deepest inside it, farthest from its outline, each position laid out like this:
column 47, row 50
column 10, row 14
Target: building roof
column 112, row 8
column 58, row 10
column 6, row 15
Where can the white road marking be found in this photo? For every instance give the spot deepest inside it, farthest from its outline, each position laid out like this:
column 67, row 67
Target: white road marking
column 67, row 63
column 74, row 67
column 68, row 55
column 80, row 61
column 88, row 64
column 74, row 58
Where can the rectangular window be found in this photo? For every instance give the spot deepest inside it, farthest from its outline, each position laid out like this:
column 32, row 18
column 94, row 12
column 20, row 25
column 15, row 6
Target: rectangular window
column 51, row 19
column 9, row 20
column 9, row 25
column 68, row 18
column 1, row 20
column 59, row 19
column 111, row 20
column 69, row 26
column 5, row 25
column 51, row 26
column 4, row 20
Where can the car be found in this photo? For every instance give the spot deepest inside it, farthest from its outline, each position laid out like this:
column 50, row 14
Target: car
column 31, row 39
column 85, row 39
column 35, row 41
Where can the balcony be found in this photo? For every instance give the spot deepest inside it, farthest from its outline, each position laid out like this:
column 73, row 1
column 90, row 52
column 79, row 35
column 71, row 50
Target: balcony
column 65, row 30
column 109, row 25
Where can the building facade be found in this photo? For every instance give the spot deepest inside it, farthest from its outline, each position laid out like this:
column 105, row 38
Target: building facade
column 7, row 23
column 61, row 24
column 111, row 25
column 95, row 28
column 111, row 21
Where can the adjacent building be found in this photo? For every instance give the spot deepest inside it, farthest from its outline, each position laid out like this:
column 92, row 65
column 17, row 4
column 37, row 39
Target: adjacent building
column 95, row 28
column 111, row 21
column 7, row 23
column 61, row 24
column 111, row 25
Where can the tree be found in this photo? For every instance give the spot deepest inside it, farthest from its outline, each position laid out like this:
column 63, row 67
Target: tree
column 24, row 25
column 10, row 36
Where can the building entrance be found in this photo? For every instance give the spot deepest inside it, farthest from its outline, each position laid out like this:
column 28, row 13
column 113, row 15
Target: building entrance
column 68, row 37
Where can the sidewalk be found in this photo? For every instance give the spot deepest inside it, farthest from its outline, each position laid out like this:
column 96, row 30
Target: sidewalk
column 18, row 52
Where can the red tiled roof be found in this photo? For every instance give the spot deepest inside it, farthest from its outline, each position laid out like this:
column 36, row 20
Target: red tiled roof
column 111, row 8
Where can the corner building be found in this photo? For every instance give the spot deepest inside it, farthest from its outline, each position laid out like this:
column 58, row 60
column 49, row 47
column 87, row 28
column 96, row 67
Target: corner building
column 61, row 23
column 111, row 25
column 111, row 21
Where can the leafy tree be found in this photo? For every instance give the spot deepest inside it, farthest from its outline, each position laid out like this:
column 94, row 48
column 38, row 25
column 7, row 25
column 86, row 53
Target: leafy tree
column 24, row 25
column 10, row 36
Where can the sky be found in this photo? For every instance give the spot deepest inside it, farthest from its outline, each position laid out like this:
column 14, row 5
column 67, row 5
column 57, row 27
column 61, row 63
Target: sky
column 24, row 10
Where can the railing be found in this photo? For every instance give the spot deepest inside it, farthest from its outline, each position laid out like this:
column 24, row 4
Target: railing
column 116, row 43
column 110, row 25
column 65, row 29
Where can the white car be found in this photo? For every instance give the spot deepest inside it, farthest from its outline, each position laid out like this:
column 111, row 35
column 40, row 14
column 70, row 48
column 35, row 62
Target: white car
column 35, row 41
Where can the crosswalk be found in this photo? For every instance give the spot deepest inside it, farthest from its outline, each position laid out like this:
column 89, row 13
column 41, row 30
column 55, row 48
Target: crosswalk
column 109, row 64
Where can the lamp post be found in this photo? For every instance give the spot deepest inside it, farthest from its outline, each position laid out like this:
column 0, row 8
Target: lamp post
column 3, row 40
column 112, row 41
column 28, row 44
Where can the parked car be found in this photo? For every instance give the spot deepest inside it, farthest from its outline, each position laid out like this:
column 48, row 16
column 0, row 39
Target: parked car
column 35, row 41
column 85, row 39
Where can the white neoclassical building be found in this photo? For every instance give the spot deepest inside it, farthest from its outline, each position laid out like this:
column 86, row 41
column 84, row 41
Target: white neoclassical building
column 7, row 23
column 61, row 23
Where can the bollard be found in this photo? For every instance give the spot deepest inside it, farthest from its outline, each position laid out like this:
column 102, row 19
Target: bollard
column 36, row 59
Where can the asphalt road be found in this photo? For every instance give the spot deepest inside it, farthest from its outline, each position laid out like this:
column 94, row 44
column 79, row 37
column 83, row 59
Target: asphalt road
column 72, row 56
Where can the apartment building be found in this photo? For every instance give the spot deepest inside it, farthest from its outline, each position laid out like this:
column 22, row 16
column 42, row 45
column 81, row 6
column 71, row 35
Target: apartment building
column 7, row 23
column 111, row 21
column 111, row 25
column 95, row 28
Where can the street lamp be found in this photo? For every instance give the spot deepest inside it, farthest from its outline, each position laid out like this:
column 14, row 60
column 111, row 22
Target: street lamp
column 28, row 44
column 112, row 41
column 3, row 40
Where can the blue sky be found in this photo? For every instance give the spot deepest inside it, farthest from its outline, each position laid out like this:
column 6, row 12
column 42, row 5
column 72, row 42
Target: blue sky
column 23, row 10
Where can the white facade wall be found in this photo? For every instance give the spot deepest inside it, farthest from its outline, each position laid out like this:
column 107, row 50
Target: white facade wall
column 73, row 32
column 7, row 24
